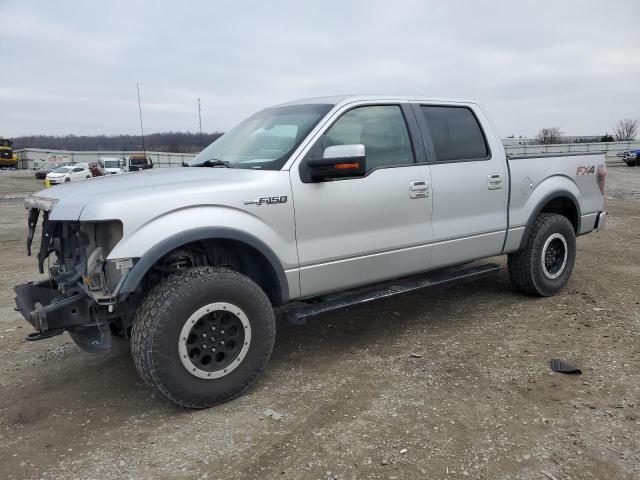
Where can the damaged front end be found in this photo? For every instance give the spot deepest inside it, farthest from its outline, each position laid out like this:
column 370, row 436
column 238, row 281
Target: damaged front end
column 81, row 291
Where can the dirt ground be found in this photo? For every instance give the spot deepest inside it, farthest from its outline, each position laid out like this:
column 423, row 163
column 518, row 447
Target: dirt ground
column 451, row 383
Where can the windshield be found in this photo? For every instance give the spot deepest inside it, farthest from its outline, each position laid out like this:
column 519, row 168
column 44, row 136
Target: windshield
column 111, row 164
column 264, row 140
column 137, row 161
column 62, row 170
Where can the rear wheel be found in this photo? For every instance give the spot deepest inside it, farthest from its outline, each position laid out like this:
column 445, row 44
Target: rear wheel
column 202, row 336
column 545, row 264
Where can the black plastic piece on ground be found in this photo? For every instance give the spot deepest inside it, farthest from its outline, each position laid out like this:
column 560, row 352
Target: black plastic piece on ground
column 298, row 316
column 561, row 366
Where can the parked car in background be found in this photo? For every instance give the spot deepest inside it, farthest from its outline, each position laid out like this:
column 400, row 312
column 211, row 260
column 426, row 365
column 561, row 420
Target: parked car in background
column 137, row 162
column 69, row 173
column 93, row 167
column 632, row 158
column 42, row 172
column 110, row 166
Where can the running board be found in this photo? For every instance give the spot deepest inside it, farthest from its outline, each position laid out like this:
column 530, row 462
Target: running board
column 329, row 303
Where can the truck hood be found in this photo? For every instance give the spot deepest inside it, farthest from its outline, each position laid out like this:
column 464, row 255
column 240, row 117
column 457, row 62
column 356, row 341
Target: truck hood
column 155, row 191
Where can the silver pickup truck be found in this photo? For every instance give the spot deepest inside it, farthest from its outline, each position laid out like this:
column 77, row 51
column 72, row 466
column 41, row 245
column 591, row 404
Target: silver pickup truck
column 309, row 206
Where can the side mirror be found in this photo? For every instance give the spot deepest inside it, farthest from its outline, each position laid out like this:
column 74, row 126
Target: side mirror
column 338, row 161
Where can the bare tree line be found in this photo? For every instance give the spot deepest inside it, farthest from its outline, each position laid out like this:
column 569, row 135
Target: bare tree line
column 179, row 142
column 624, row 130
column 187, row 142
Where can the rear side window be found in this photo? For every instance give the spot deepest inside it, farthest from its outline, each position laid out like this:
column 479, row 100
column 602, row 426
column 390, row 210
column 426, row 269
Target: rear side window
column 456, row 133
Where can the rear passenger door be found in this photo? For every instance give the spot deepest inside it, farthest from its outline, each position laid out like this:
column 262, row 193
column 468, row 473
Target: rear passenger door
column 469, row 181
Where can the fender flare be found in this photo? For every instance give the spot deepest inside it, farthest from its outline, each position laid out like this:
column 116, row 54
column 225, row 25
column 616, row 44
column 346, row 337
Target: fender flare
column 541, row 204
column 155, row 253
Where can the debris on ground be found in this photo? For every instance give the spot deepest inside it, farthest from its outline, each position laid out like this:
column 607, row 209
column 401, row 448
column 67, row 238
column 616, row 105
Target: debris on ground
column 561, row 366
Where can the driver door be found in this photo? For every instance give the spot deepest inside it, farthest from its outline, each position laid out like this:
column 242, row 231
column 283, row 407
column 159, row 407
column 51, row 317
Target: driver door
column 371, row 228
column 77, row 174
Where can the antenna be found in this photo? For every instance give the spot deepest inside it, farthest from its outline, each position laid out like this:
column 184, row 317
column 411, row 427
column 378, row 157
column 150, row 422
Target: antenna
column 140, row 110
column 199, row 116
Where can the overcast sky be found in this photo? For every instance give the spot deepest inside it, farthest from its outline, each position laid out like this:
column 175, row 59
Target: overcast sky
column 72, row 67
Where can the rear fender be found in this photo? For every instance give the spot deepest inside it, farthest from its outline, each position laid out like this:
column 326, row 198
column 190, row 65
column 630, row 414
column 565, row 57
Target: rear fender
column 555, row 187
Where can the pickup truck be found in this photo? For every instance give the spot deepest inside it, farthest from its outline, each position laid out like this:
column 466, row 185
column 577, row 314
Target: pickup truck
column 304, row 208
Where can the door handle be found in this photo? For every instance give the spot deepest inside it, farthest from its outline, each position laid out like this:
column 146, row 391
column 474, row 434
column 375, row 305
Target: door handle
column 494, row 181
column 418, row 186
column 419, row 189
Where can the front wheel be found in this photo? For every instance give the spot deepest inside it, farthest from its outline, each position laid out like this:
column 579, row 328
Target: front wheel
column 545, row 264
column 203, row 336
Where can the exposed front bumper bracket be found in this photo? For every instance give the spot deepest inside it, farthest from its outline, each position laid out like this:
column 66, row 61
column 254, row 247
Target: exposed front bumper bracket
column 48, row 311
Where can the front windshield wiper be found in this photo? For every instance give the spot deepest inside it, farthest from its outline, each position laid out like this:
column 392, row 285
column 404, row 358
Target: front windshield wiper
column 214, row 162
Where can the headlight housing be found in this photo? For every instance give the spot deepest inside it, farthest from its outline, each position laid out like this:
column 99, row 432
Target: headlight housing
column 41, row 203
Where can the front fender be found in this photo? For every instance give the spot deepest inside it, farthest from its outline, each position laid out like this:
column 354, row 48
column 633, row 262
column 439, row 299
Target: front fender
column 161, row 235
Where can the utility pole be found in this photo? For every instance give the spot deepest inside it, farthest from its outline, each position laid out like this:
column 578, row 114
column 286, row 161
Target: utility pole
column 140, row 110
column 199, row 116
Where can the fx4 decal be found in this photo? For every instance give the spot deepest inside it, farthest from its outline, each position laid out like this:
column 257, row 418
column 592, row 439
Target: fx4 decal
column 267, row 200
column 586, row 170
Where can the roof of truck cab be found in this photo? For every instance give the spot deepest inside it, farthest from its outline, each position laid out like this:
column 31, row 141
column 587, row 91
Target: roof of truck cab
column 336, row 99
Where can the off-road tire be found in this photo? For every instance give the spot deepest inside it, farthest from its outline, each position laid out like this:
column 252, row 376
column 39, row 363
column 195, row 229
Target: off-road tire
column 162, row 315
column 526, row 266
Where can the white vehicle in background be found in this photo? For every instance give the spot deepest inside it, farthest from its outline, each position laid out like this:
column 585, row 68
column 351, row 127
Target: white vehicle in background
column 69, row 173
column 110, row 166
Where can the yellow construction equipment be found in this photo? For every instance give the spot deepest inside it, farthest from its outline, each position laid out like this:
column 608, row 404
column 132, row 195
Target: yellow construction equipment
column 8, row 158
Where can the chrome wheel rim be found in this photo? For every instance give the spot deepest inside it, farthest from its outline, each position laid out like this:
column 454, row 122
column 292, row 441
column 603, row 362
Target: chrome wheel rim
column 214, row 340
column 554, row 256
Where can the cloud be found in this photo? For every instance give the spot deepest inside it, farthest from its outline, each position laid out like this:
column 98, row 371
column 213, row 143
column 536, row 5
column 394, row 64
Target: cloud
column 72, row 67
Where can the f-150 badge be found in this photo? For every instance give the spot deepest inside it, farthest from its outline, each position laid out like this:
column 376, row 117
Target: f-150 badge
column 267, row 200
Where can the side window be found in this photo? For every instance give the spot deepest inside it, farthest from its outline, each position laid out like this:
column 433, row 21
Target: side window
column 382, row 131
column 455, row 133
column 77, row 169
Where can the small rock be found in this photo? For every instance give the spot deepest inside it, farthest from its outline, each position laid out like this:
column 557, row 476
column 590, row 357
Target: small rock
column 384, row 462
column 416, row 355
column 273, row 414
column 404, row 450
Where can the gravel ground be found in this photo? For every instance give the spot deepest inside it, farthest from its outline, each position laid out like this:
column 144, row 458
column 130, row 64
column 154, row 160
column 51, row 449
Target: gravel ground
column 451, row 383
